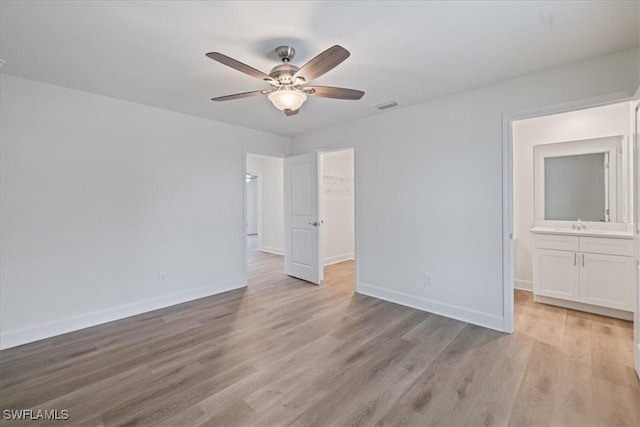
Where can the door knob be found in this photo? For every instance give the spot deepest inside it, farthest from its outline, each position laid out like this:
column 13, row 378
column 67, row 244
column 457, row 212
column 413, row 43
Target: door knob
column 315, row 224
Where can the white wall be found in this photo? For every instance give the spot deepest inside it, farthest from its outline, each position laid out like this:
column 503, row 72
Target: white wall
column 252, row 206
column 430, row 186
column 111, row 208
column 270, row 171
column 273, row 205
column 254, row 166
column 337, row 207
column 589, row 123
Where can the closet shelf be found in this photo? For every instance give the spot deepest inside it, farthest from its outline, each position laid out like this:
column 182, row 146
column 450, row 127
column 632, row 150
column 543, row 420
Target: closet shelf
column 337, row 184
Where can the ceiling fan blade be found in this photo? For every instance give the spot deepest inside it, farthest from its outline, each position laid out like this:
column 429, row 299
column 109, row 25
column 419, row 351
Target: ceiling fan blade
column 237, row 65
column 291, row 112
column 333, row 92
column 322, row 63
column 241, row 95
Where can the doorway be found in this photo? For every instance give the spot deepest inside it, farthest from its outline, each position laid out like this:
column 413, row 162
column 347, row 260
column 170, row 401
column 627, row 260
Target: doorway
column 319, row 214
column 566, row 278
column 330, row 177
column 337, row 213
column 264, row 214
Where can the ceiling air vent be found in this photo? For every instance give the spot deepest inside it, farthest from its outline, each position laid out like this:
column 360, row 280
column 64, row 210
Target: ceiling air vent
column 386, row 105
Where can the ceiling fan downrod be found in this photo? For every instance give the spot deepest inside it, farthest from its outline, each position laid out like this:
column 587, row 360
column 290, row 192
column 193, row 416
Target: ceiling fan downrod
column 285, row 53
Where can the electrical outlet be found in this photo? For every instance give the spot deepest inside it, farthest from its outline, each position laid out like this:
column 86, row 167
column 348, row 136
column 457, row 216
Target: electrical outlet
column 428, row 281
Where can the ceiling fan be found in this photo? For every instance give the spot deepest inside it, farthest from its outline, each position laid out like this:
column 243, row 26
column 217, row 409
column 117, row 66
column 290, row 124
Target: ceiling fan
column 288, row 91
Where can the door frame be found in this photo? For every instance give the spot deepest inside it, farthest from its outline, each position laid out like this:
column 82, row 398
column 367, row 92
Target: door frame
column 356, row 210
column 356, row 191
column 507, row 183
column 321, row 150
column 636, row 233
column 321, row 204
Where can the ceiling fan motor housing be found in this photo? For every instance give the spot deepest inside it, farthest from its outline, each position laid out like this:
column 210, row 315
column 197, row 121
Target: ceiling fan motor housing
column 284, row 73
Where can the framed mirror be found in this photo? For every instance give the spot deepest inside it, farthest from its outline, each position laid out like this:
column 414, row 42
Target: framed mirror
column 576, row 188
column 581, row 181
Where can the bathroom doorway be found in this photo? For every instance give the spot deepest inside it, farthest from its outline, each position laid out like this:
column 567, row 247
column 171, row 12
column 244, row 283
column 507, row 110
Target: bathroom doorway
column 566, row 278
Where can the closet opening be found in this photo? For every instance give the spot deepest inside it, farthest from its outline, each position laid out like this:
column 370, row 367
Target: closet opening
column 337, row 218
column 320, row 188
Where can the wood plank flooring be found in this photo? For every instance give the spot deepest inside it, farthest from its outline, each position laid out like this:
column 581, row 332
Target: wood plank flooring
column 284, row 352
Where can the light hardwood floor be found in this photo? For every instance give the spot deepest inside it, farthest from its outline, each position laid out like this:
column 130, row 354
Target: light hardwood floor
column 284, row 352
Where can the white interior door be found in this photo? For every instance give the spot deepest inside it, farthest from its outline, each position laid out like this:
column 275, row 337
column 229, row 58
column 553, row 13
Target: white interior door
column 301, row 218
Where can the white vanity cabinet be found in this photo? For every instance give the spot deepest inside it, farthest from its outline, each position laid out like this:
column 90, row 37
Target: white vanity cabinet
column 598, row 271
column 556, row 274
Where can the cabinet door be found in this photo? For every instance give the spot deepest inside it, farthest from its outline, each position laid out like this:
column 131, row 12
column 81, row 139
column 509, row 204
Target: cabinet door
column 556, row 274
column 608, row 281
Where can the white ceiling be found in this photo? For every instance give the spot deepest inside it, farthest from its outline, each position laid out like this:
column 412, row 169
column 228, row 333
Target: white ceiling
column 153, row 52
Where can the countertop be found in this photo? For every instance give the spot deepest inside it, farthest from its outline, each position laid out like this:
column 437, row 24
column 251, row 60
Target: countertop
column 616, row 234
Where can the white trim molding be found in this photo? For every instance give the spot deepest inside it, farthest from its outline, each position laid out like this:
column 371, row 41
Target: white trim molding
column 339, row 258
column 58, row 327
column 574, row 305
column 448, row 310
column 523, row 285
column 272, row 250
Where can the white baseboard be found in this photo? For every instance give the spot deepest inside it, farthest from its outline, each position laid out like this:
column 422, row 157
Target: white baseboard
column 604, row 311
column 524, row 285
column 272, row 250
column 57, row 327
column 339, row 258
column 442, row 309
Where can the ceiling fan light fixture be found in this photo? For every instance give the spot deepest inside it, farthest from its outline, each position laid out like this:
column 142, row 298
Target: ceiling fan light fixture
column 287, row 99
